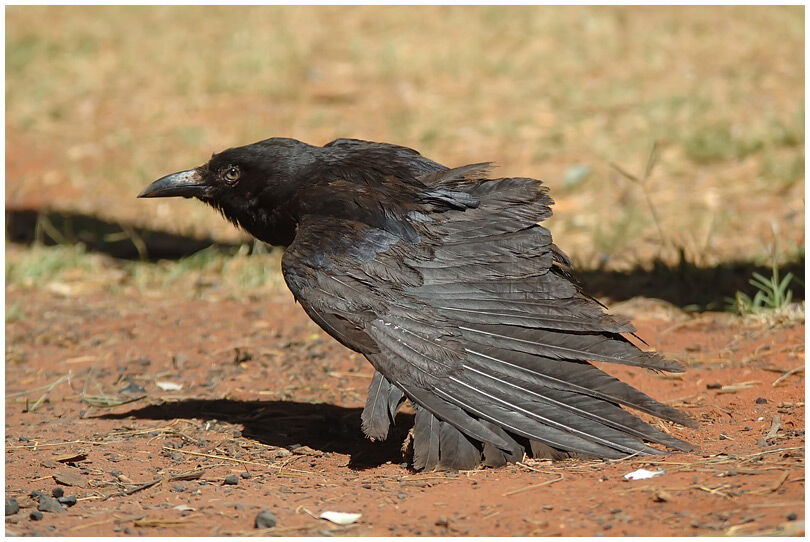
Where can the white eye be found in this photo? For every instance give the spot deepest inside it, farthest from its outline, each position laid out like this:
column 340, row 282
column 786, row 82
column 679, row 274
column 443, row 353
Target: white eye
column 231, row 174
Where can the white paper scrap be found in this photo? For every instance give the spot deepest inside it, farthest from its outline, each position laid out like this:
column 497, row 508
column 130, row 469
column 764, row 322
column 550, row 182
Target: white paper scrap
column 340, row 518
column 643, row 474
column 169, row 386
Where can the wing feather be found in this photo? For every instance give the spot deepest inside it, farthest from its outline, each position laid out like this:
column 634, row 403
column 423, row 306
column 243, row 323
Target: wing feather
column 463, row 304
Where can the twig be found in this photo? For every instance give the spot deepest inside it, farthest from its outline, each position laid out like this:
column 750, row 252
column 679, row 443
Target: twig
column 525, row 466
column 734, row 388
column 776, row 486
column 535, row 486
column 243, row 461
column 715, row 490
column 164, row 522
column 48, row 445
column 183, row 476
column 776, row 425
column 793, row 371
column 759, row 354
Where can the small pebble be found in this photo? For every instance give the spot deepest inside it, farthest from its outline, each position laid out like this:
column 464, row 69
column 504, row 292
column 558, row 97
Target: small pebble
column 35, row 494
column 132, row 389
column 761, row 401
column 35, row 515
column 12, row 506
column 366, row 486
column 245, row 475
column 231, row 480
column 178, row 488
column 265, row 519
column 792, row 517
column 722, row 436
column 70, row 500
column 57, row 492
column 402, row 496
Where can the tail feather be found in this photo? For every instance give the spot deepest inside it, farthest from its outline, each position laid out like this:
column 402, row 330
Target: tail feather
column 381, row 406
column 425, row 439
column 582, row 378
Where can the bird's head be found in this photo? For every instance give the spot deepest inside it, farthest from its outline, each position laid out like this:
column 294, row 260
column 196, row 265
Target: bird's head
column 252, row 186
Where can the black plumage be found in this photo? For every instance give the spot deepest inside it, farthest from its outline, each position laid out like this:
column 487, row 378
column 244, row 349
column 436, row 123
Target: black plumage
column 449, row 285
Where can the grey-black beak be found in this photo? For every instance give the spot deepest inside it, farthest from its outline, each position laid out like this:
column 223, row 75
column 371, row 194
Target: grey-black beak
column 183, row 183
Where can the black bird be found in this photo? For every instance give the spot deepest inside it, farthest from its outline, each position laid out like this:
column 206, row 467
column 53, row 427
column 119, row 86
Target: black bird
column 447, row 283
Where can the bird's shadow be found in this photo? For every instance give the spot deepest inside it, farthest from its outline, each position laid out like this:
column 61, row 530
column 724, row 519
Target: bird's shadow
column 320, row 426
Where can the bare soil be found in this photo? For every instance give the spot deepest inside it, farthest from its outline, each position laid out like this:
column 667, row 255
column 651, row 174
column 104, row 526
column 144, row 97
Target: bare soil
column 268, row 397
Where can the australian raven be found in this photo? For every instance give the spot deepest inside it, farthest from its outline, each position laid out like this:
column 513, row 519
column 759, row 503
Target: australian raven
column 447, row 283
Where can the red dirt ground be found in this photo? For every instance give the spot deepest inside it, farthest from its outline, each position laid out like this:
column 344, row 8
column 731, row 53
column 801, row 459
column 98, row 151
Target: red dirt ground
column 265, row 392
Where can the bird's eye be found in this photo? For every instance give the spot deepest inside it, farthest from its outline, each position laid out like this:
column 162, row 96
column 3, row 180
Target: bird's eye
column 231, row 174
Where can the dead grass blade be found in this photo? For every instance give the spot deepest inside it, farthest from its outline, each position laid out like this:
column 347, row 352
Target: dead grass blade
column 793, row 371
column 47, row 387
column 535, row 486
column 165, row 522
column 107, row 401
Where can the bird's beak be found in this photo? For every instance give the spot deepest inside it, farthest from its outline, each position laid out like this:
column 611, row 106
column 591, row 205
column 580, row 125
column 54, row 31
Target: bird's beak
column 183, row 183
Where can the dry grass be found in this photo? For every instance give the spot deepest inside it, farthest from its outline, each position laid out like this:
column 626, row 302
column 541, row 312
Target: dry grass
column 101, row 100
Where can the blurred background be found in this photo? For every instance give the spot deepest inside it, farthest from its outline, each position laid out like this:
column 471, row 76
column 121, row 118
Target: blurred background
column 672, row 138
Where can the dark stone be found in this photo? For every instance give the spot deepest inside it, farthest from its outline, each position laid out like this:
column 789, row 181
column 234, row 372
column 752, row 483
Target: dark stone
column 49, row 504
column 69, row 500
column 132, row 388
column 35, row 516
column 790, row 517
column 245, row 475
column 12, row 506
column 265, row 519
column 57, row 492
column 761, row 401
column 231, row 480
column 713, row 386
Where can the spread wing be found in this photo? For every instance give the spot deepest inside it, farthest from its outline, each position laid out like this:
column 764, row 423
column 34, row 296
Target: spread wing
column 473, row 316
